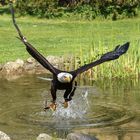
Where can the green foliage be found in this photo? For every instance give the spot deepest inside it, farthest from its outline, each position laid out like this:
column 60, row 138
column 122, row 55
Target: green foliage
column 115, row 8
column 87, row 9
column 41, row 8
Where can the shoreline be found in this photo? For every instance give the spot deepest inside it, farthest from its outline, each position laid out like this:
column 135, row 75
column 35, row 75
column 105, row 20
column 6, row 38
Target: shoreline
column 15, row 69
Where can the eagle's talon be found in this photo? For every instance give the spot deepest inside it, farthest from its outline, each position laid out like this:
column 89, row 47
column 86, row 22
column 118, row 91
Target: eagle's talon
column 46, row 108
column 52, row 106
column 65, row 104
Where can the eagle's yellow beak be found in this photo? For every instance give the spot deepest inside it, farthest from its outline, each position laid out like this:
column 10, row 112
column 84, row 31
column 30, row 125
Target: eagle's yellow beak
column 68, row 79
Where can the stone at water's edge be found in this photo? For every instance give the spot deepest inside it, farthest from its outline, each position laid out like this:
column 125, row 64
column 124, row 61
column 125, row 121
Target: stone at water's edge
column 55, row 60
column 30, row 60
column 79, row 136
column 71, row 136
column 4, row 136
column 45, row 136
column 14, row 69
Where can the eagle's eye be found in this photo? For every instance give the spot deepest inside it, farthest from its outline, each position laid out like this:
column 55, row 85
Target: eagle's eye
column 65, row 77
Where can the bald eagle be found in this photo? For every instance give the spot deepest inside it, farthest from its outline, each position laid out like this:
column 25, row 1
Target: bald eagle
column 64, row 80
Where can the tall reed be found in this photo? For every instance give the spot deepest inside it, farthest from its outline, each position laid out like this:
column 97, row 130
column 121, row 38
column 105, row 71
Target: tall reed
column 127, row 65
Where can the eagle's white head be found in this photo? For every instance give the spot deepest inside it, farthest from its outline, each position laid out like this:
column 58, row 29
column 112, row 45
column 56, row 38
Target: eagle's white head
column 64, row 77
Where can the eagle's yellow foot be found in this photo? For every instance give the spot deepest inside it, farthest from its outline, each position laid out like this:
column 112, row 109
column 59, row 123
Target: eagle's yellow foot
column 65, row 104
column 51, row 106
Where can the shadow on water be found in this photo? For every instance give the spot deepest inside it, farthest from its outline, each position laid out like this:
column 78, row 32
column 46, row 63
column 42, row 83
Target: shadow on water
column 102, row 108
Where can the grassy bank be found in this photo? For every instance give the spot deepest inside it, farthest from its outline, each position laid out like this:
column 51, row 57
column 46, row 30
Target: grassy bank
column 86, row 39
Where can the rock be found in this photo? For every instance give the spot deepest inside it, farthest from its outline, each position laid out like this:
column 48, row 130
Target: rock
column 29, row 66
column 13, row 67
column 40, row 69
column 79, row 136
column 45, row 136
column 4, row 136
column 30, row 60
column 20, row 62
column 32, row 66
column 12, row 70
column 55, row 60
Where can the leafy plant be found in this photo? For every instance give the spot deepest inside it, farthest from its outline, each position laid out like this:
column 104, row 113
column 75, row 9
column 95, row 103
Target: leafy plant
column 88, row 9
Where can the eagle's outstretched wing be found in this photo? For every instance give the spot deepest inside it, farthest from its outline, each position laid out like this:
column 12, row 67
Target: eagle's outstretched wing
column 112, row 55
column 31, row 50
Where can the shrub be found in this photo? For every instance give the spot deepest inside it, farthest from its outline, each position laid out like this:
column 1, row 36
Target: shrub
column 88, row 9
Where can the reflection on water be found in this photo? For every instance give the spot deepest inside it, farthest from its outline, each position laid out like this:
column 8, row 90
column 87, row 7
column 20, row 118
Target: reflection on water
column 107, row 109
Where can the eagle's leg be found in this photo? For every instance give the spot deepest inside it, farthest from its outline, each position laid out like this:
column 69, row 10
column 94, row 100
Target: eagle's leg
column 53, row 93
column 73, row 91
column 52, row 106
column 66, row 96
column 69, row 93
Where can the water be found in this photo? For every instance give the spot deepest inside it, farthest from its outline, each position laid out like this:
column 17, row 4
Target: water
column 109, row 110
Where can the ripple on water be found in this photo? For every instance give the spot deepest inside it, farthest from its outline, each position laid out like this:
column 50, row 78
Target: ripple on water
column 79, row 114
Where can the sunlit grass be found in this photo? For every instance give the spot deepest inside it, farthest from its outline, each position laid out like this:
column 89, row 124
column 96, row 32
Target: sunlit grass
column 126, row 66
column 83, row 39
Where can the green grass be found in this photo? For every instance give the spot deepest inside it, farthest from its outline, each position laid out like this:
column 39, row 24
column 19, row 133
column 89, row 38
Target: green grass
column 61, row 37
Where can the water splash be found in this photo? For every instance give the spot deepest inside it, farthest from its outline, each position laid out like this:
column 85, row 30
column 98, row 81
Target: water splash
column 76, row 110
column 82, row 112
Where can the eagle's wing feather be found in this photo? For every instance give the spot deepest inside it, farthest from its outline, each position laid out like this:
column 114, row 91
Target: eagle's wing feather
column 31, row 50
column 112, row 55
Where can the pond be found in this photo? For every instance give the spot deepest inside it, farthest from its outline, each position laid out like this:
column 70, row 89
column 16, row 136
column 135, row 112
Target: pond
column 107, row 109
